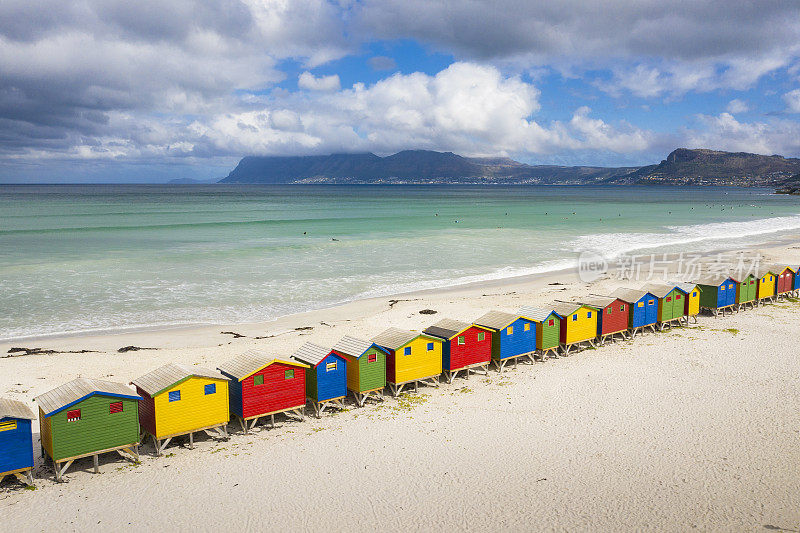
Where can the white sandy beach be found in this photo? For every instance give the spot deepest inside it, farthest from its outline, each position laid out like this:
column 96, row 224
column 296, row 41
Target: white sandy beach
column 693, row 428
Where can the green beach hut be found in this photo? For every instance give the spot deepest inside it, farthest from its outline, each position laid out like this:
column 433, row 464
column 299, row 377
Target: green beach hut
column 87, row 417
column 746, row 291
column 671, row 303
column 548, row 326
column 366, row 368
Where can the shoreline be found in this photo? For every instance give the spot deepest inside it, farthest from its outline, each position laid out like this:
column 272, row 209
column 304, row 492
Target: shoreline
column 778, row 245
column 599, row 427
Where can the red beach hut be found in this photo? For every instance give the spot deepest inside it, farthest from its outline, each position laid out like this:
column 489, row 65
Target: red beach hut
column 466, row 346
column 264, row 385
column 614, row 317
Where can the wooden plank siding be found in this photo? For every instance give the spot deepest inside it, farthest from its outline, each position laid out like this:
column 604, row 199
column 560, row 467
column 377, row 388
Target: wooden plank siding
column 746, row 289
column 278, row 391
column 16, row 444
column 98, row 429
column 579, row 326
column 194, row 410
column 471, row 352
column 324, row 383
column 363, row 375
column 420, row 363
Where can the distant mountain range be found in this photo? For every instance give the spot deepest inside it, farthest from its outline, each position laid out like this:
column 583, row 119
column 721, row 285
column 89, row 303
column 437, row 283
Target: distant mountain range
column 682, row 167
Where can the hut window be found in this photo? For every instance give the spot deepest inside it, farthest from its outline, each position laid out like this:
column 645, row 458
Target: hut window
column 175, row 396
column 621, row 307
column 770, row 278
column 641, row 304
column 752, row 282
column 510, row 330
column 677, row 296
column 211, row 388
column 650, row 302
column 610, row 310
column 574, row 318
column 330, row 367
column 289, row 374
column 407, row 350
column 258, row 380
column 114, row 408
column 730, row 286
column 551, row 322
column 8, row 426
column 527, row 326
column 723, row 287
column 481, row 335
column 694, row 294
column 462, row 340
column 430, row 346
column 589, row 314
column 74, row 415
column 371, row 358
column 669, row 298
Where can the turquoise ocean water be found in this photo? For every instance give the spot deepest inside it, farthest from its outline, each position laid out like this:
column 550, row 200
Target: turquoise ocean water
column 93, row 258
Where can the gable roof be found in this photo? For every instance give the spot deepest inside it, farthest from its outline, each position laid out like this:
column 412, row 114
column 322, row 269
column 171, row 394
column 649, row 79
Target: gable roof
column 15, row 409
column 250, row 362
column 660, row 289
column 311, row 354
column 79, row 389
column 496, row 319
column 394, row 338
column 686, row 287
column 714, row 280
column 448, row 328
column 598, row 302
column 537, row 314
column 628, row 295
column 354, row 347
column 567, row 308
column 160, row 379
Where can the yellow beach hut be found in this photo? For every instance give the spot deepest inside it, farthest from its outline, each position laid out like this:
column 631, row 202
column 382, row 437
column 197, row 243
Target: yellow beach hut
column 692, row 304
column 578, row 324
column 412, row 358
column 766, row 285
column 182, row 400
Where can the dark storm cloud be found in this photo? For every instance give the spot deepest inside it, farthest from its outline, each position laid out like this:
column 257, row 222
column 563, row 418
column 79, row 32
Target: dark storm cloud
column 590, row 29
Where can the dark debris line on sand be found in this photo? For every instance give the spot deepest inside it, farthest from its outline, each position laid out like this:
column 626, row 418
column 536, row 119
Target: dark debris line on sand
column 19, row 352
column 133, row 349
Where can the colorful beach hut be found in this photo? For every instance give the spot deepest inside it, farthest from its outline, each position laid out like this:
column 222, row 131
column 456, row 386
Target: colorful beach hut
column 643, row 307
column 578, row 325
column 263, row 385
column 717, row 293
column 513, row 337
column 366, row 367
column 671, row 303
column 796, row 281
column 613, row 317
column 784, row 280
column 16, row 440
column 182, row 400
column 691, row 304
column 766, row 285
column 746, row 291
column 413, row 358
column 326, row 377
column 548, row 329
column 465, row 347
column 87, row 417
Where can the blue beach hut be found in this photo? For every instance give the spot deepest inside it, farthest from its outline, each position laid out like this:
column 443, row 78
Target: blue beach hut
column 16, row 441
column 513, row 336
column 796, row 281
column 643, row 307
column 717, row 293
column 326, row 380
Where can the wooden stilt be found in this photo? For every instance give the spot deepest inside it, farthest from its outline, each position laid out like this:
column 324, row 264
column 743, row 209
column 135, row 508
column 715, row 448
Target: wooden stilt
column 96, row 462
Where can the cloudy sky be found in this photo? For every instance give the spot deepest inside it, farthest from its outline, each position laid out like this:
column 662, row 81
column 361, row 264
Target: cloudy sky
column 114, row 90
